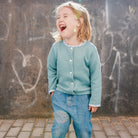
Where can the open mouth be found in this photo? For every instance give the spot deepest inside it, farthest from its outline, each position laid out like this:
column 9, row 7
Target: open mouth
column 62, row 27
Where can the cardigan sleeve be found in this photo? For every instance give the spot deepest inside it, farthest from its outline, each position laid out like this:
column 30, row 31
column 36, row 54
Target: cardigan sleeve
column 52, row 69
column 96, row 79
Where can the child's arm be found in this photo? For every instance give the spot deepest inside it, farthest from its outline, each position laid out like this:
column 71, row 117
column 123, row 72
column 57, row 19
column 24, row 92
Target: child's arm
column 52, row 70
column 96, row 82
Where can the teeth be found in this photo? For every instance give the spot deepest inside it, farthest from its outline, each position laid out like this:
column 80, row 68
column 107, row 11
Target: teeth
column 62, row 27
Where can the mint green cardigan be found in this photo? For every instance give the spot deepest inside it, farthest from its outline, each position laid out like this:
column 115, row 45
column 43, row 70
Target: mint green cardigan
column 75, row 70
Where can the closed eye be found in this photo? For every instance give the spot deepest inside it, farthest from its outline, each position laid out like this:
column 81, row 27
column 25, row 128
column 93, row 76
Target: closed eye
column 58, row 18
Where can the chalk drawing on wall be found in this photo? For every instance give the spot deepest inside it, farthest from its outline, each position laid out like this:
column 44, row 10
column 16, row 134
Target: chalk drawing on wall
column 132, row 10
column 134, row 51
column 27, row 87
column 5, row 27
column 115, row 44
column 37, row 23
column 34, row 22
column 117, row 66
column 10, row 1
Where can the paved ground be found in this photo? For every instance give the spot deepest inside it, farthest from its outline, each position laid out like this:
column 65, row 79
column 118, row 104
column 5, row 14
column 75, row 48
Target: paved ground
column 103, row 127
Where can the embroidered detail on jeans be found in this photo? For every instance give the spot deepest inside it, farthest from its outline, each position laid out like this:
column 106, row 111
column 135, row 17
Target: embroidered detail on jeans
column 61, row 116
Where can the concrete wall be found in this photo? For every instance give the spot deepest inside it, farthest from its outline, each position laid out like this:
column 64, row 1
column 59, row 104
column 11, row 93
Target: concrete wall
column 25, row 41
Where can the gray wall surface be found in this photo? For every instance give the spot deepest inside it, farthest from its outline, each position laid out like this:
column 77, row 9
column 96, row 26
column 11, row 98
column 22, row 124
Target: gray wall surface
column 25, row 41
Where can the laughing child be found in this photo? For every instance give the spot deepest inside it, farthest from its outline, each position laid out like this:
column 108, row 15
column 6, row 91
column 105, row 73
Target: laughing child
column 74, row 72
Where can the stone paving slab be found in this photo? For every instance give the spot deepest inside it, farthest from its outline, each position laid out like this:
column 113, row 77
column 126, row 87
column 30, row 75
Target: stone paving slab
column 103, row 127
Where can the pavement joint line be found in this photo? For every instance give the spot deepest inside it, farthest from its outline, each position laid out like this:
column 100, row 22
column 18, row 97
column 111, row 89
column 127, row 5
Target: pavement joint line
column 46, row 121
column 114, row 127
column 21, row 127
column 126, row 129
column 102, row 127
column 33, row 127
column 9, row 128
column 2, row 123
column 133, row 123
column 26, row 121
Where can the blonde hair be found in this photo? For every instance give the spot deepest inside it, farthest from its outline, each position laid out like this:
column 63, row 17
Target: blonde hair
column 82, row 15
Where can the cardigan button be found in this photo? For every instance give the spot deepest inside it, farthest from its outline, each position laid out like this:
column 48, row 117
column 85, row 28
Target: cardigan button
column 70, row 73
column 70, row 60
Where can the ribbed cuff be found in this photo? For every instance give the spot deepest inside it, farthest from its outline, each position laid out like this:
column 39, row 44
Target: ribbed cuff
column 94, row 105
column 50, row 91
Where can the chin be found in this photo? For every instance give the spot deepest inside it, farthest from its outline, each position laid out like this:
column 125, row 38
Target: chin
column 63, row 36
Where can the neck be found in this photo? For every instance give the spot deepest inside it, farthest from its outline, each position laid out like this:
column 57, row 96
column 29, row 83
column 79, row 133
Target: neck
column 73, row 42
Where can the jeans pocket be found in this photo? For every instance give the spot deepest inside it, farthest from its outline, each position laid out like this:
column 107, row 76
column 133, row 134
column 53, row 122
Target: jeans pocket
column 84, row 99
column 58, row 97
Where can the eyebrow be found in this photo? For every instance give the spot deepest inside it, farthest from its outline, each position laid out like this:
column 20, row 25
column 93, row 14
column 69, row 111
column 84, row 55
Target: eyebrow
column 63, row 14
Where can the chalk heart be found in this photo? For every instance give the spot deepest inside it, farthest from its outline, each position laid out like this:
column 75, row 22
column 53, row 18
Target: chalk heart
column 26, row 62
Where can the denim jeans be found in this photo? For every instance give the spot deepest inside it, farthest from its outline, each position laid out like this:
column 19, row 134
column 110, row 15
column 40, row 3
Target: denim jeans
column 71, row 106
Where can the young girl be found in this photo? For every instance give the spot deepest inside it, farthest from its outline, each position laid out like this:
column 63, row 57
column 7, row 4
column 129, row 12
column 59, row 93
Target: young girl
column 74, row 72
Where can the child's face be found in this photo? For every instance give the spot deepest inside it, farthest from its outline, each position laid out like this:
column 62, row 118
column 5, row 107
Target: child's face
column 67, row 23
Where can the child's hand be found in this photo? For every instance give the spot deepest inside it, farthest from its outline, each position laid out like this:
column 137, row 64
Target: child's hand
column 51, row 94
column 92, row 109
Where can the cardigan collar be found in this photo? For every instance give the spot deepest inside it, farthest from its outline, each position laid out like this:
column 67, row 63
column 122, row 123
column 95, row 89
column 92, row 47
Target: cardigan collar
column 81, row 44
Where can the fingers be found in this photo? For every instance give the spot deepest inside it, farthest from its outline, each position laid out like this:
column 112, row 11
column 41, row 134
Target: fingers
column 51, row 94
column 92, row 109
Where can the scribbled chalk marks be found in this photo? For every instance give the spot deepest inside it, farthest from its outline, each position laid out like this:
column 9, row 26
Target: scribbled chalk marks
column 27, row 62
column 134, row 51
column 107, row 13
column 33, row 34
column 115, row 43
column 5, row 27
column 24, row 100
column 116, row 62
column 38, row 24
column 108, row 54
column 10, row 1
column 131, row 9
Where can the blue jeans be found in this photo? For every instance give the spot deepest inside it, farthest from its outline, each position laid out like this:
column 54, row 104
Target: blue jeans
column 71, row 106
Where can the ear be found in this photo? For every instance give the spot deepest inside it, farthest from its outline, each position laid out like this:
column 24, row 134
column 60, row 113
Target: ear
column 80, row 22
column 78, row 25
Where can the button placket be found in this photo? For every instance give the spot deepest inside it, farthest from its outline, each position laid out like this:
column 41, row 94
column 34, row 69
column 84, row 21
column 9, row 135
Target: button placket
column 71, row 72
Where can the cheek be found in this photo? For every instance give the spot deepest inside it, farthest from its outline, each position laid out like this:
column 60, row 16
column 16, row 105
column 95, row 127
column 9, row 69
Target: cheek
column 57, row 25
column 58, row 29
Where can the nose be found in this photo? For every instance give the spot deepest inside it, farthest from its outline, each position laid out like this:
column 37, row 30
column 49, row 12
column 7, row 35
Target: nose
column 60, row 19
